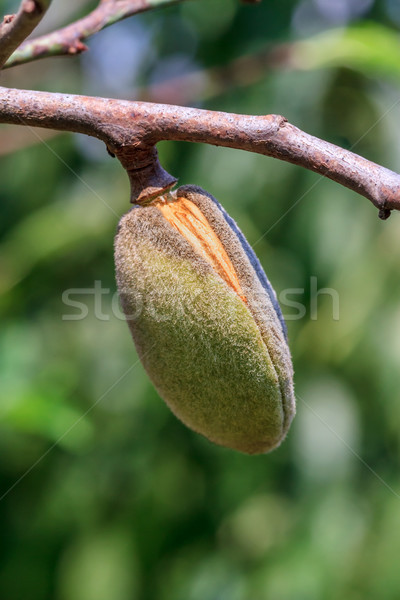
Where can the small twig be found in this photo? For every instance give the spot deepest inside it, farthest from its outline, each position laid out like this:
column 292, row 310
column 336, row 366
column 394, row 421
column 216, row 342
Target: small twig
column 132, row 129
column 16, row 28
column 70, row 39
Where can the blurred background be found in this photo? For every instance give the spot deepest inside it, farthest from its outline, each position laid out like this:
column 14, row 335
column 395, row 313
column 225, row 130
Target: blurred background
column 104, row 494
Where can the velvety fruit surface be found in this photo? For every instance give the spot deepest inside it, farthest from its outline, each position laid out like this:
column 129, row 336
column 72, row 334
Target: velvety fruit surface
column 206, row 326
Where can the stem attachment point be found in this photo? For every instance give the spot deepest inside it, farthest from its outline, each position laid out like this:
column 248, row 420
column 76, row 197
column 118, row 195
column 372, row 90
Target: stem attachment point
column 147, row 177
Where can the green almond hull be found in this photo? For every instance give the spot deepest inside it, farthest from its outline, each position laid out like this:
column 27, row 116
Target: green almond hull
column 199, row 342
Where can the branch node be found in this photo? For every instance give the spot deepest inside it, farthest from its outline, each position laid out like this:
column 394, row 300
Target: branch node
column 384, row 213
column 30, row 6
column 282, row 121
column 77, row 48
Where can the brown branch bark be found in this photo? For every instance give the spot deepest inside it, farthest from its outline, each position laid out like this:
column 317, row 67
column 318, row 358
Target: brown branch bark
column 16, row 28
column 132, row 129
column 182, row 89
column 70, row 39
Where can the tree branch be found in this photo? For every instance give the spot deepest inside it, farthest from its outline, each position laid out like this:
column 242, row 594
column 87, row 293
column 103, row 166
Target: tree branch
column 132, row 129
column 69, row 39
column 16, row 28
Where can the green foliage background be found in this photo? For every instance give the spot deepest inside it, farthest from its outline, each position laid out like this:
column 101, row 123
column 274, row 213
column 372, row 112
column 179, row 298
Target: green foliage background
column 105, row 494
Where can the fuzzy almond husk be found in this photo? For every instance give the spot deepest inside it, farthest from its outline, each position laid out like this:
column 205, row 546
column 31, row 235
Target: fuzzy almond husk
column 209, row 331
